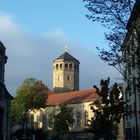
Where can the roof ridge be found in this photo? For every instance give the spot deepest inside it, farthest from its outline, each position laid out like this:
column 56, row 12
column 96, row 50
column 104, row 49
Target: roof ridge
column 67, row 56
column 80, row 90
column 73, row 97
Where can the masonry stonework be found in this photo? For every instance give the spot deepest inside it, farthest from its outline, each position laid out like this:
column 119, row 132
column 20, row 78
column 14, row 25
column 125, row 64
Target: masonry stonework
column 65, row 73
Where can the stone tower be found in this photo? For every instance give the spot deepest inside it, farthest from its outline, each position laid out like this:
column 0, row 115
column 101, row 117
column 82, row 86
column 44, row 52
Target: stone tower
column 65, row 73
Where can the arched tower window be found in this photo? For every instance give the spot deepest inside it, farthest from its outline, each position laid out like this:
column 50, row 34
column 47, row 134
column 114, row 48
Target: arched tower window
column 61, row 65
column 68, row 78
column 66, row 66
column 70, row 66
column 57, row 66
column 58, row 78
column 86, row 118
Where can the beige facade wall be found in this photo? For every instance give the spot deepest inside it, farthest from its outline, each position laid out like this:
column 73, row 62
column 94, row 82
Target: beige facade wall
column 58, row 78
column 81, row 120
column 37, row 118
column 81, row 114
column 69, row 82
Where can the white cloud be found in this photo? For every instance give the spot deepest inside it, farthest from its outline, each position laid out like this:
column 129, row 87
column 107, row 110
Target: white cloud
column 30, row 55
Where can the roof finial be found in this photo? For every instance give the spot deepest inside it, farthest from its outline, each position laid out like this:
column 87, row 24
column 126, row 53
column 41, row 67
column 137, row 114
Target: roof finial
column 66, row 48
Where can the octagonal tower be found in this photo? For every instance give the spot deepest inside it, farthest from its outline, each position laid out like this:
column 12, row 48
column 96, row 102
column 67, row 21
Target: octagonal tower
column 65, row 73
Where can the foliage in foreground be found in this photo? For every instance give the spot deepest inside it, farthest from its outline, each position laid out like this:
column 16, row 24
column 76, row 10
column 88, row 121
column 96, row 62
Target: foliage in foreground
column 108, row 111
column 64, row 119
column 28, row 97
column 122, row 20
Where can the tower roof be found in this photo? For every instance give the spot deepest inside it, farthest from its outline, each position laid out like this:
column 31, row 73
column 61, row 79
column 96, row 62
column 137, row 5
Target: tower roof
column 67, row 56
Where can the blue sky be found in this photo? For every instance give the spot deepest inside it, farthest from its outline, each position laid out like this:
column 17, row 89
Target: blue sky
column 36, row 32
column 41, row 17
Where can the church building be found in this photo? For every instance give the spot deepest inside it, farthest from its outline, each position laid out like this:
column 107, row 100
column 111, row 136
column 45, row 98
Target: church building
column 66, row 91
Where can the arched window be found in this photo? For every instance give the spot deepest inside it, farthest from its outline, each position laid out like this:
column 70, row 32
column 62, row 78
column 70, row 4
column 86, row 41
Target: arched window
column 57, row 66
column 31, row 120
column 50, row 120
column 66, row 66
column 44, row 121
column 70, row 66
column 61, row 66
column 68, row 78
column 58, row 78
column 86, row 118
column 78, row 117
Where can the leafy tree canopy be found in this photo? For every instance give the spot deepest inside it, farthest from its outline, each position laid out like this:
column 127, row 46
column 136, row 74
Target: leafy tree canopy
column 64, row 119
column 29, row 96
column 108, row 111
column 114, row 14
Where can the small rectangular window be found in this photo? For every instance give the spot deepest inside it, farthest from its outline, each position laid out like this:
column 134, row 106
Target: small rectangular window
column 58, row 78
column 68, row 78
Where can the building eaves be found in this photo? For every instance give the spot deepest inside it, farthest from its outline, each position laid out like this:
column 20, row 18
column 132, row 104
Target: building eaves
column 72, row 97
column 66, row 56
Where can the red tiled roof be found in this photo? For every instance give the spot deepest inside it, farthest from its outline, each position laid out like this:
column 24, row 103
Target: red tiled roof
column 72, row 97
column 48, row 91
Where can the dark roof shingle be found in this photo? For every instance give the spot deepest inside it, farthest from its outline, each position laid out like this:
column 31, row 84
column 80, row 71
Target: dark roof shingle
column 67, row 56
column 72, row 97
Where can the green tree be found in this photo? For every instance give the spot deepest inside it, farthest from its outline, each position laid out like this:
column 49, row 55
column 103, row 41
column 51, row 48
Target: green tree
column 64, row 119
column 122, row 18
column 108, row 111
column 114, row 15
column 29, row 96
